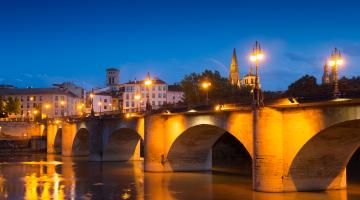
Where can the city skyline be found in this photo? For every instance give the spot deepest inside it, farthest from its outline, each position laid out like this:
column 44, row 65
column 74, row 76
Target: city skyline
column 77, row 41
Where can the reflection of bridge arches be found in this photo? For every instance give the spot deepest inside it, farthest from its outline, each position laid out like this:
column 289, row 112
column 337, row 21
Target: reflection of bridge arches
column 192, row 150
column 58, row 141
column 321, row 162
column 80, row 145
column 123, row 145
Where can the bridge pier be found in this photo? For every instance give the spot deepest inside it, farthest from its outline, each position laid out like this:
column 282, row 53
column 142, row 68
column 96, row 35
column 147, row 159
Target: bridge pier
column 268, row 162
column 95, row 127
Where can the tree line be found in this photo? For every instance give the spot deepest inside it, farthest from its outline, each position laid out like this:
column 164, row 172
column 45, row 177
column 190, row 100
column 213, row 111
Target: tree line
column 9, row 106
column 305, row 89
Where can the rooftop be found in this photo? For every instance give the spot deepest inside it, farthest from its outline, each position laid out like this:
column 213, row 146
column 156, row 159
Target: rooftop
column 175, row 88
column 34, row 91
column 154, row 81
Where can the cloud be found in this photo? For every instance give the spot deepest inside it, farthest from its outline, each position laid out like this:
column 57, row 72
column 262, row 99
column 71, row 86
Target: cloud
column 28, row 75
column 297, row 57
column 351, row 49
column 219, row 64
column 19, row 80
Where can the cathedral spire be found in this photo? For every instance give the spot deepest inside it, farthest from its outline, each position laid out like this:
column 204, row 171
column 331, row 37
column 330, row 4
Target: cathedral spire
column 325, row 77
column 234, row 76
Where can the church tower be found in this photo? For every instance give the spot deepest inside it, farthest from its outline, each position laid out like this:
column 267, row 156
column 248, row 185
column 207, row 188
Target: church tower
column 234, row 76
column 325, row 77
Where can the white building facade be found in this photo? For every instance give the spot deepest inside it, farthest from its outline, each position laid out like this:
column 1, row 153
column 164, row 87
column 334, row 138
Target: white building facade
column 136, row 93
column 102, row 102
column 47, row 102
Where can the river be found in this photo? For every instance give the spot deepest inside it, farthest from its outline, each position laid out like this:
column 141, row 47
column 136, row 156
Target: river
column 56, row 177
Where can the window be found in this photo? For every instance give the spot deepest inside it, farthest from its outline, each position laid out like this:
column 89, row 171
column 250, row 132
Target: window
column 164, row 87
column 159, row 103
column 22, row 98
column 153, row 95
column 153, row 103
column 34, row 98
column 164, row 95
column 34, row 105
column 153, row 88
column 27, row 98
column 159, row 95
column 105, row 107
column 105, row 100
column 164, row 102
column 132, row 104
column 127, row 104
column 62, row 97
column 56, row 98
column 40, row 98
column 127, row 95
column 56, row 105
column 159, row 88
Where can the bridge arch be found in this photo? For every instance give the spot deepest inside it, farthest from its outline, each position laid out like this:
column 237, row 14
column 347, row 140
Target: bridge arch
column 321, row 163
column 80, row 146
column 123, row 145
column 192, row 149
column 58, row 141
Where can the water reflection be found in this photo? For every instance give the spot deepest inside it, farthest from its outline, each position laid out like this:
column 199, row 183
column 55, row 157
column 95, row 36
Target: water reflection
column 55, row 177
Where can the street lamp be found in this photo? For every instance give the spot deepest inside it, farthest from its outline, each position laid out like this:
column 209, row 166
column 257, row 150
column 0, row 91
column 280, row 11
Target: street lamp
column 256, row 57
column 62, row 103
column 99, row 104
column 335, row 60
column 137, row 97
column 92, row 103
column 47, row 106
column 148, row 83
column 206, row 86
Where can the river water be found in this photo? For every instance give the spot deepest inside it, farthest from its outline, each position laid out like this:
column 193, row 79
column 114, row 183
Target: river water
column 56, row 177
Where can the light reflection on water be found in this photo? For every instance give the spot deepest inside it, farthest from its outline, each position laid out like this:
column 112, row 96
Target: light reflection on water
column 56, row 177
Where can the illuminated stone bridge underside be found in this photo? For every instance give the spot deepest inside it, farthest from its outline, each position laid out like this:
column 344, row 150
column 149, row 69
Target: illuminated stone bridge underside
column 293, row 148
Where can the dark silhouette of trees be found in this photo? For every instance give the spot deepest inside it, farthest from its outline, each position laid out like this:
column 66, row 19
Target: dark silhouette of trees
column 220, row 91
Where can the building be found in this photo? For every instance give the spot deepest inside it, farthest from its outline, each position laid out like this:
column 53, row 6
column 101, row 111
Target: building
column 68, row 86
column 174, row 94
column 136, row 93
column 47, row 102
column 249, row 79
column 112, row 77
column 326, row 77
column 234, row 76
column 102, row 102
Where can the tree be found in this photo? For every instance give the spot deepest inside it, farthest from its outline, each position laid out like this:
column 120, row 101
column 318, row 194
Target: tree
column 12, row 106
column 220, row 91
column 3, row 113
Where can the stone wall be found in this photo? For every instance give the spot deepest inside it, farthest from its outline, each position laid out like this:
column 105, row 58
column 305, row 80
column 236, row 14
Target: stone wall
column 21, row 129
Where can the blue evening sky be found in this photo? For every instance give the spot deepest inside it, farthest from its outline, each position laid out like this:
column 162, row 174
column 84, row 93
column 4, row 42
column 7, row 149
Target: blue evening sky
column 42, row 42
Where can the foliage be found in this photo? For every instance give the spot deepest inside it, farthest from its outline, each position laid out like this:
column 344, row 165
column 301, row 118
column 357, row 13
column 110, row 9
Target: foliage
column 307, row 89
column 220, row 91
column 9, row 106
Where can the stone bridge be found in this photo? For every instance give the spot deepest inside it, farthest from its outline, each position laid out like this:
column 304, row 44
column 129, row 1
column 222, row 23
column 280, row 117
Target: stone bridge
column 294, row 147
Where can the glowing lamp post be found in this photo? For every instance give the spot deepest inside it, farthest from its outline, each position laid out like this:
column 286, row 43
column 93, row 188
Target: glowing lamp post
column 92, row 103
column 256, row 57
column 335, row 60
column 206, row 86
column 137, row 97
column 148, row 83
column 47, row 106
column 99, row 104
